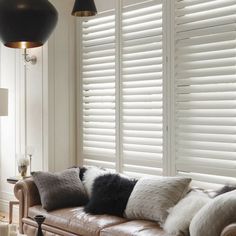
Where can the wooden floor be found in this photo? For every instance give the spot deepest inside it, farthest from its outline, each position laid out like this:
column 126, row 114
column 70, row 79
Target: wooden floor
column 4, row 218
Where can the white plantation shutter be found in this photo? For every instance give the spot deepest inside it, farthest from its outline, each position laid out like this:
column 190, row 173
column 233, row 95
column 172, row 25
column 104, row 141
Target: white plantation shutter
column 141, row 82
column 98, row 82
column 206, row 89
column 125, row 61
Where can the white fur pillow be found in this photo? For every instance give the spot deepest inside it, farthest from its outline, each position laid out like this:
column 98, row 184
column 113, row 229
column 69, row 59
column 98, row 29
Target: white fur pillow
column 215, row 216
column 180, row 216
column 90, row 175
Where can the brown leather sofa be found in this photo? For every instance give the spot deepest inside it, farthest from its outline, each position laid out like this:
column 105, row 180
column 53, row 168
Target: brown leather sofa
column 75, row 222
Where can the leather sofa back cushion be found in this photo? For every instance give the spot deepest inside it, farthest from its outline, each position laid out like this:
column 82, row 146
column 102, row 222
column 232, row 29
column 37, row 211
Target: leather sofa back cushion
column 59, row 190
column 153, row 196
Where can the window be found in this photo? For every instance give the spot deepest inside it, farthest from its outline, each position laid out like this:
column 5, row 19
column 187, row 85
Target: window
column 124, row 60
column 141, row 88
column 206, row 90
column 122, row 99
column 99, row 102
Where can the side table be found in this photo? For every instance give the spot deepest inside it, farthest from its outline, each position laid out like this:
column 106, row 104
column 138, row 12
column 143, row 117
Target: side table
column 12, row 180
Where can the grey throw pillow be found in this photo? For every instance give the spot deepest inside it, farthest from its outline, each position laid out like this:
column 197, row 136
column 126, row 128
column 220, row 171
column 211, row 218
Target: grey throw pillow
column 152, row 197
column 214, row 216
column 59, row 190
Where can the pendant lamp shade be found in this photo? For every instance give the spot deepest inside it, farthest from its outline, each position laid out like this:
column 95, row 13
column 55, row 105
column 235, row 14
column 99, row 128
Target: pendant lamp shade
column 26, row 23
column 3, row 102
column 84, row 8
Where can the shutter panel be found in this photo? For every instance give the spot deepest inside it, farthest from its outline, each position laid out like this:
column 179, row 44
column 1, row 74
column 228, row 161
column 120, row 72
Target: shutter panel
column 98, row 82
column 206, row 90
column 141, row 82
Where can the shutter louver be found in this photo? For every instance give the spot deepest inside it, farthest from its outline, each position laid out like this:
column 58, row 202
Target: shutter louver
column 98, row 74
column 141, row 75
column 205, row 79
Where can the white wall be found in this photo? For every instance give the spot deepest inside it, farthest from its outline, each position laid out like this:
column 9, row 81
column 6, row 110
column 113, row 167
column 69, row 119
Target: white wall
column 61, row 89
column 11, row 134
column 50, row 94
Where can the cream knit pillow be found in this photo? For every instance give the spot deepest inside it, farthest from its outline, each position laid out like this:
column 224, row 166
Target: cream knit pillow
column 153, row 196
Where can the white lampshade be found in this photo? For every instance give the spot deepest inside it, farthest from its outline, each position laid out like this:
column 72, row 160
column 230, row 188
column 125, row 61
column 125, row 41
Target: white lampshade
column 3, row 102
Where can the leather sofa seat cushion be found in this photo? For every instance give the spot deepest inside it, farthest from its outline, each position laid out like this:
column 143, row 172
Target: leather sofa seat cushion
column 134, row 228
column 75, row 220
column 29, row 230
column 47, row 230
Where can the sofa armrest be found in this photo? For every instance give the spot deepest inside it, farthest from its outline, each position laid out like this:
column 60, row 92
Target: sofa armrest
column 28, row 195
column 229, row 230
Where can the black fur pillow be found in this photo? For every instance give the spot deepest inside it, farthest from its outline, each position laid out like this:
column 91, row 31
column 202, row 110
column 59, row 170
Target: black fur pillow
column 82, row 171
column 225, row 189
column 110, row 194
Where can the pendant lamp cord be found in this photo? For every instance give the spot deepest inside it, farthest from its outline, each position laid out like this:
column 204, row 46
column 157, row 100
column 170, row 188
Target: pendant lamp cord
column 33, row 61
column 25, row 101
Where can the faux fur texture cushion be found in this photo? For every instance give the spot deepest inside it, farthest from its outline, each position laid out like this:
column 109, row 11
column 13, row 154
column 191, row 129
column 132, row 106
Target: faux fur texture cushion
column 180, row 216
column 110, row 194
column 225, row 189
column 59, row 190
column 82, row 170
column 215, row 216
column 153, row 196
column 90, row 174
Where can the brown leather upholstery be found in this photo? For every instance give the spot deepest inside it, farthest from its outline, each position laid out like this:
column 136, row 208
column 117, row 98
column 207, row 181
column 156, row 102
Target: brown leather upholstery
column 75, row 220
column 30, row 229
column 27, row 193
column 134, row 228
column 30, row 191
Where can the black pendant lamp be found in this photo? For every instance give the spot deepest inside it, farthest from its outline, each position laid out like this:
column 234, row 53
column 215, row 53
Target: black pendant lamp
column 84, row 8
column 26, row 23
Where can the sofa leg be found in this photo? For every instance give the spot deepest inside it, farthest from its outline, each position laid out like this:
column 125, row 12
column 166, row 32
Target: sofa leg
column 11, row 204
column 21, row 212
